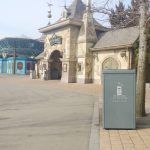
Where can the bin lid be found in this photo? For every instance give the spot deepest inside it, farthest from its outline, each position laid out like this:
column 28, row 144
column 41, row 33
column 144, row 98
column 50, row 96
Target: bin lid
column 119, row 71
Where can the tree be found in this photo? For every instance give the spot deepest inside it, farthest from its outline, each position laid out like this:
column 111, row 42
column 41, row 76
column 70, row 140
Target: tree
column 121, row 17
column 118, row 16
column 133, row 13
column 140, row 90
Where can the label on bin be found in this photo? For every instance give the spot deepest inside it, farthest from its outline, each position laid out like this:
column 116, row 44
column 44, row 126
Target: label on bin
column 120, row 96
column 119, row 90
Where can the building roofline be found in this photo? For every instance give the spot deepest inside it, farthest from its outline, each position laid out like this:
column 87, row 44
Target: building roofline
column 66, row 22
column 59, row 24
column 40, row 56
column 111, row 48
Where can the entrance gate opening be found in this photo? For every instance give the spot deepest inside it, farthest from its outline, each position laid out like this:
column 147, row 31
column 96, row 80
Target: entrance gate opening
column 56, row 65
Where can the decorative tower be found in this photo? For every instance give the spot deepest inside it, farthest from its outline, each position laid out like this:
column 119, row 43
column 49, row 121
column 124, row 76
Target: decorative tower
column 49, row 12
column 65, row 12
column 86, row 39
column 74, row 15
column 87, row 31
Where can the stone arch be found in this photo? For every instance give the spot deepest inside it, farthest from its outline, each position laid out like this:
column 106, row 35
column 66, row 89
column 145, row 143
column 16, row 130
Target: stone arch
column 55, row 65
column 110, row 63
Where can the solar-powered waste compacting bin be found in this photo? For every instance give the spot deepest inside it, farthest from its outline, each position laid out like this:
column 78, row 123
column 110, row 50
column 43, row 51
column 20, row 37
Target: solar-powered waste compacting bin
column 119, row 99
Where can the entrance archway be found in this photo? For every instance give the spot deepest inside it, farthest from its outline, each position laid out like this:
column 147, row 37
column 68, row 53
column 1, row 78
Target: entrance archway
column 56, row 65
column 110, row 63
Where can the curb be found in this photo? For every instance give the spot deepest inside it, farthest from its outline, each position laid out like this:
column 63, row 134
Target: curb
column 95, row 137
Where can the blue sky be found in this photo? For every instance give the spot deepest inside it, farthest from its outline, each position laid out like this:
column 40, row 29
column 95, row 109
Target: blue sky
column 25, row 17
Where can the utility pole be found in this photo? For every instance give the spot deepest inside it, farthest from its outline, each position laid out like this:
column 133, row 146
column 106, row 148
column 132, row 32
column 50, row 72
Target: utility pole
column 14, row 61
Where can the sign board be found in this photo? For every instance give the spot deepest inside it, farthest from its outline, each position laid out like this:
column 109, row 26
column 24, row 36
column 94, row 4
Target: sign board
column 55, row 40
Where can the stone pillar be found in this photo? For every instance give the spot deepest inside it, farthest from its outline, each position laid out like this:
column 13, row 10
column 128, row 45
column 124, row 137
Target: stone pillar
column 86, row 39
column 45, row 70
column 37, row 69
column 84, row 70
column 68, row 70
column 49, row 69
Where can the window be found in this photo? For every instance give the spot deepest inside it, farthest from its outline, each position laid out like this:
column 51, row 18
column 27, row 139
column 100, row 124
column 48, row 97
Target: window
column 80, row 67
column 64, row 67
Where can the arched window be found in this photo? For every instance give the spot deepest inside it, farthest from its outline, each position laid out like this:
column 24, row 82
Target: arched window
column 110, row 63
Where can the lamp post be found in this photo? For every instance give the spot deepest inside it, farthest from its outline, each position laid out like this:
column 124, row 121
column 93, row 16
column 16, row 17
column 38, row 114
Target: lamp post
column 49, row 12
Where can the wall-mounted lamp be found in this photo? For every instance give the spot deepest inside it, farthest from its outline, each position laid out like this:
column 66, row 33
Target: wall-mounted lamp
column 123, row 54
column 95, row 56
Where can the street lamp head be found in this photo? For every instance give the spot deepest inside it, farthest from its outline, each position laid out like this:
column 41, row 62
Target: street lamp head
column 4, row 54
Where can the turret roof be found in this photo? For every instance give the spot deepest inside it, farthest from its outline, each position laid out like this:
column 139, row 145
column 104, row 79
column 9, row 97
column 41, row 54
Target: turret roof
column 77, row 9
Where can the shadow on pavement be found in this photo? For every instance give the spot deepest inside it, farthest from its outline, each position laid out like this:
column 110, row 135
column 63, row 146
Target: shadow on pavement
column 101, row 116
column 143, row 122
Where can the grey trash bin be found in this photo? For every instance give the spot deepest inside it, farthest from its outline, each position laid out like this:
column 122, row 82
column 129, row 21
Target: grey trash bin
column 119, row 99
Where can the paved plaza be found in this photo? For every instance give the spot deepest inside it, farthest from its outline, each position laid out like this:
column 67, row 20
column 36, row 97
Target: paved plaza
column 46, row 115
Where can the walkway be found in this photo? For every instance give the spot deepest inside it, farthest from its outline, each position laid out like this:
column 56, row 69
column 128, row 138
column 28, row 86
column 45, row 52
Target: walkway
column 129, row 139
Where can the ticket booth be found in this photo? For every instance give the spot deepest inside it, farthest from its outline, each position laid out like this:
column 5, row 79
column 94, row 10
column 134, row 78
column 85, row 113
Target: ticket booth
column 23, row 65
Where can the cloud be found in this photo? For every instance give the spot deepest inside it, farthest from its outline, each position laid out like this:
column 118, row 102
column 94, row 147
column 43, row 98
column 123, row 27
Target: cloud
column 1, row 36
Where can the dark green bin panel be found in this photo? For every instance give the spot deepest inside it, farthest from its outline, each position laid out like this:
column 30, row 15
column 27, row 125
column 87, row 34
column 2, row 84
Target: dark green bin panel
column 119, row 99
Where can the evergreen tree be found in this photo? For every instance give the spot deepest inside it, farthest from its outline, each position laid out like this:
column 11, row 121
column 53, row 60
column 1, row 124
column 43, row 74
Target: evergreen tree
column 133, row 13
column 118, row 16
column 121, row 17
